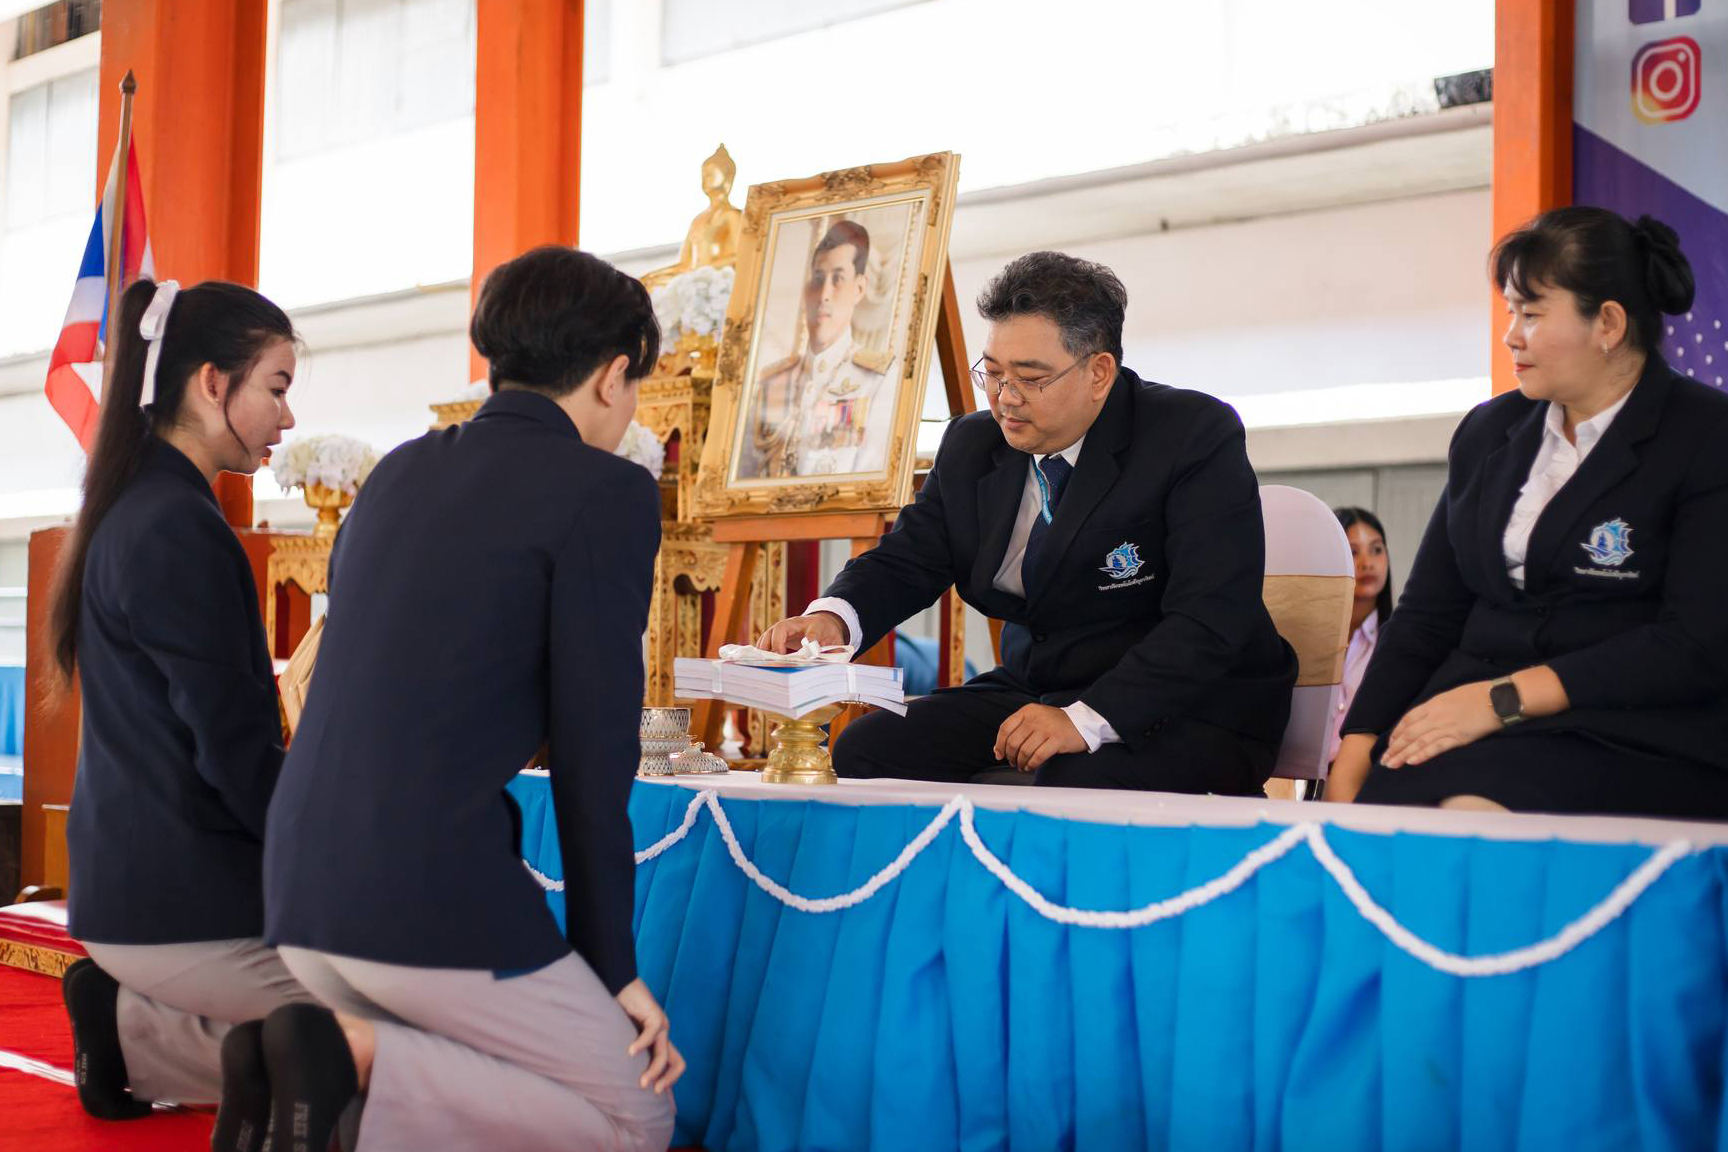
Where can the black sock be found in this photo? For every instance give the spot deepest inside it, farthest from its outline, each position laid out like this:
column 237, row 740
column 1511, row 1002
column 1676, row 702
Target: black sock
column 91, row 997
column 243, row 1119
column 348, row 1127
column 312, row 1076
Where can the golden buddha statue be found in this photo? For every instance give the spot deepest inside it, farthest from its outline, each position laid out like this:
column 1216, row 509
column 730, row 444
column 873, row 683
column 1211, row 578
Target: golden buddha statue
column 713, row 236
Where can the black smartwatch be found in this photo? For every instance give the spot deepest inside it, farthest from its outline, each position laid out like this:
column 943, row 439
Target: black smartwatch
column 1508, row 705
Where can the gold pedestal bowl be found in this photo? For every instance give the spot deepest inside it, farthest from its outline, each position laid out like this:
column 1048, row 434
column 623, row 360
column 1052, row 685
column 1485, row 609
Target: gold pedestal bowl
column 328, row 503
column 796, row 754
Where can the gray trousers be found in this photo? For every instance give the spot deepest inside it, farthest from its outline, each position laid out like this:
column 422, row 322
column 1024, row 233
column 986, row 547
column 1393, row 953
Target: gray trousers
column 469, row 1060
column 177, row 1001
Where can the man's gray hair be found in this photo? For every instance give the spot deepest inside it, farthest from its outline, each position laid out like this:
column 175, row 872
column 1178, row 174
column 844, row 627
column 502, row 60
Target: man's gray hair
column 1081, row 297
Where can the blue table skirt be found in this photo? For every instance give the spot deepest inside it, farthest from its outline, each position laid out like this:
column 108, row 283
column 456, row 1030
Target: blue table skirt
column 944, row 1013
column 11, row 709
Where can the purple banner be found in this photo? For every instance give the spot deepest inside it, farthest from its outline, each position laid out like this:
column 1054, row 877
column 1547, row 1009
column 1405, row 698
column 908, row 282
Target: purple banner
column 1605, row 176
column 1650, row 136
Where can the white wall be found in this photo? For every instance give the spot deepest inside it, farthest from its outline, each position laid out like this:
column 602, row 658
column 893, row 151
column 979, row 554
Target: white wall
column 1024, row 90
column 1390, row 294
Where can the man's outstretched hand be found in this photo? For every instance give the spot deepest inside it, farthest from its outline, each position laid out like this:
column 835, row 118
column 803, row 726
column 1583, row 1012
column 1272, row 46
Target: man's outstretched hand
column 825, row 628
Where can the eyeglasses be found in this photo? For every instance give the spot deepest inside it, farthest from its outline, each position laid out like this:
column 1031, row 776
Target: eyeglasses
column 991, row 385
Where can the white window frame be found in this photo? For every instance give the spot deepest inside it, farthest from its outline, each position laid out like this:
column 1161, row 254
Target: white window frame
column 21, row 75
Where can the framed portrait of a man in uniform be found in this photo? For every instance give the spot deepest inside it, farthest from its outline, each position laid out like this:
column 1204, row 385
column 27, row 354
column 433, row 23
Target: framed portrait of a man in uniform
column 827, row 343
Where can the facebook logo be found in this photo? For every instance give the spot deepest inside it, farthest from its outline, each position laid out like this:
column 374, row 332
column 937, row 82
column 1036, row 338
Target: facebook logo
column 1652, row 11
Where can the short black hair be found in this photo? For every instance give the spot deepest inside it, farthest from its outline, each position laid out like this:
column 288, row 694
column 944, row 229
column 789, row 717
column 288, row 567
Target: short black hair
column 846, row 232
column 1598, row 256
column 547, row 319
column 1083, row 298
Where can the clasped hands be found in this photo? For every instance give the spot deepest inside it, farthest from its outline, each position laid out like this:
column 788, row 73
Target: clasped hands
column 1025, row 740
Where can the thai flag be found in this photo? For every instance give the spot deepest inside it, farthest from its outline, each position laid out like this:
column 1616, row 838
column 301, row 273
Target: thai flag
column 75, row 366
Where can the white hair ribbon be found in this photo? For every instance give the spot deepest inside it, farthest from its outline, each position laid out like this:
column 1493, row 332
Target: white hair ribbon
column 152, row 327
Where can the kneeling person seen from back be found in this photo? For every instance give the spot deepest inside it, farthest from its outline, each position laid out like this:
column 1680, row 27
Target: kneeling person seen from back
column 456, row 1015
column 1114, row 525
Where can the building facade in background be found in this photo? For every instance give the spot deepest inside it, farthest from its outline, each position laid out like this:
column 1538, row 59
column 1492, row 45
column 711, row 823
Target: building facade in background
column 1301, row 226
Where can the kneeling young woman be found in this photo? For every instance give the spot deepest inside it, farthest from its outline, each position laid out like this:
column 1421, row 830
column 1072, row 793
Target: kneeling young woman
column 156, row 610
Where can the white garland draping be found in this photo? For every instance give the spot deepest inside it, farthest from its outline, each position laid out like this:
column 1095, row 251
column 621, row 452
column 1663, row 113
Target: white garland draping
column 1310, row 833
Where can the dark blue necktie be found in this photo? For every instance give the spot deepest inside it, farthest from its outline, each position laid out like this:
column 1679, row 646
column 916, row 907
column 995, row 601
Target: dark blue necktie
column 1053, row 473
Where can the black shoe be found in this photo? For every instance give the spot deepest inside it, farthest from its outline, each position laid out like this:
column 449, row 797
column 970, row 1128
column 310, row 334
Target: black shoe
column 243, row 1118
column 312, row 1076
column 91, row 997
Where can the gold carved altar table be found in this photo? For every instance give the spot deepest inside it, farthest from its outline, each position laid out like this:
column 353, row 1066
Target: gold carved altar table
column 302, row 560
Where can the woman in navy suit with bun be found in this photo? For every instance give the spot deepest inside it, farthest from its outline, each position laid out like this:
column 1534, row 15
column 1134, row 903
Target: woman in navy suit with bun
column 1562, row 644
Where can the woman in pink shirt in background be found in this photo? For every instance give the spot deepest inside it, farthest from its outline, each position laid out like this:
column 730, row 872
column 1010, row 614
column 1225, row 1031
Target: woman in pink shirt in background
column 1372, row 606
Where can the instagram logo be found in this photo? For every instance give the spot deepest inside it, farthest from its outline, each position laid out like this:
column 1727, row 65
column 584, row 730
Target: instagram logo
column 1665, row 80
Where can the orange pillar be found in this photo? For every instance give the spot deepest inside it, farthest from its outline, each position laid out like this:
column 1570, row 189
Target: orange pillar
column 527, row 131
column 1533, row 48
column 198, row 120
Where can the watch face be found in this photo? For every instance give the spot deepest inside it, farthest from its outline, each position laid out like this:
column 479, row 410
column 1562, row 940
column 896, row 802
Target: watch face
column 1505, row 699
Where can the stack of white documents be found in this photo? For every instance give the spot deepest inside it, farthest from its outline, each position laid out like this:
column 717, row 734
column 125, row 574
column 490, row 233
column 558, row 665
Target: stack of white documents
column 788, row 686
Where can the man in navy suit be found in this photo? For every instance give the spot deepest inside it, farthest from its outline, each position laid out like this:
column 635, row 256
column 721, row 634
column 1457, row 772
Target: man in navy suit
column 1114, row 525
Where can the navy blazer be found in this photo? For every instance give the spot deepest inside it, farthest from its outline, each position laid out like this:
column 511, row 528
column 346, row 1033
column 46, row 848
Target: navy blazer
column 1623, row 578
column 180, row 742
column 488, row 593
column 1163, row 481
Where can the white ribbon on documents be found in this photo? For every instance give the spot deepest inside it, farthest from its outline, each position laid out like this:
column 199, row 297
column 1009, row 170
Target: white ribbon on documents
column 808, row 654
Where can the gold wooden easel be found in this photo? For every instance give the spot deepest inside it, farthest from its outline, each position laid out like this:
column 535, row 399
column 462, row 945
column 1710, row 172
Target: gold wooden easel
column 863, row 529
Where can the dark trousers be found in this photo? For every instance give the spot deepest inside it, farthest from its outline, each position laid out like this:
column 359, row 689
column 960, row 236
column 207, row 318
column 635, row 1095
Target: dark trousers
column 948, row 736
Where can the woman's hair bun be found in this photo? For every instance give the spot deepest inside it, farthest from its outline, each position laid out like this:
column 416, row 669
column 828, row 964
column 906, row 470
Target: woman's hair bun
column 1667, row 272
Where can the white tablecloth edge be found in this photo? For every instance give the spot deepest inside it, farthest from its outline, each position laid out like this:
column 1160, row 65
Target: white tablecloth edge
column 1168, row 809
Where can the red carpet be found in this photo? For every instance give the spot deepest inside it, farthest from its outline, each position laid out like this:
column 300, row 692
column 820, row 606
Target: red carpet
column 40, row 1115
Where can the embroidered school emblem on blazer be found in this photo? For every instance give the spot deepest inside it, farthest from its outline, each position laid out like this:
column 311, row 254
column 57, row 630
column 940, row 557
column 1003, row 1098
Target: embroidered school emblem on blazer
column 1122, row 561
column 1610, row 543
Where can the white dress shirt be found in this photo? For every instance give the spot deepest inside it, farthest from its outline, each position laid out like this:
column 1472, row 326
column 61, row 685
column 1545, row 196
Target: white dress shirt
column 1093, row 728
column 1356, row 657
column 1556, row 461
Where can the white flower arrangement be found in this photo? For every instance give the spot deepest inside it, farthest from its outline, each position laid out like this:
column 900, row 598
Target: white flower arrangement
column 693, row 301
column 339, row 462
column 476, row 390
column 644, row 448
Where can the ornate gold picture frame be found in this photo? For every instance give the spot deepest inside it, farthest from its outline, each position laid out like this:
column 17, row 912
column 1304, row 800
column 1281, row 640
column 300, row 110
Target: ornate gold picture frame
column 820, row 380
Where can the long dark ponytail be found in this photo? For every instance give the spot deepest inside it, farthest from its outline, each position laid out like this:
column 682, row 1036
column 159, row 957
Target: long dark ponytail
column 217, row 323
